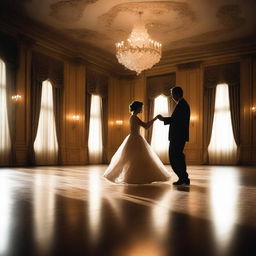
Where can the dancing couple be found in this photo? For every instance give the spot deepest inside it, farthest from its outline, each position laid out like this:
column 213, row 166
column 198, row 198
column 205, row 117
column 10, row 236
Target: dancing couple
column 136, row 163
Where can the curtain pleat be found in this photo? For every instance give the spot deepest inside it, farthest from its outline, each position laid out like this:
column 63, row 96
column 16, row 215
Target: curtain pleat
column 209, row 103
column 57, row 110
column 104, row 128
column 149, row 117
column 88, row 111
column 36, row 93
column 234, row 99
column 9, row 53
column 11, row 90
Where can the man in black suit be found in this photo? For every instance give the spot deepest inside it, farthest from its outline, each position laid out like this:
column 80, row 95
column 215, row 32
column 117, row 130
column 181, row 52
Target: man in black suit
column 178, row 135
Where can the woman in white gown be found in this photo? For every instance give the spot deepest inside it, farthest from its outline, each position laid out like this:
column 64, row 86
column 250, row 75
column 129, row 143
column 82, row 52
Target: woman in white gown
column 135, row 162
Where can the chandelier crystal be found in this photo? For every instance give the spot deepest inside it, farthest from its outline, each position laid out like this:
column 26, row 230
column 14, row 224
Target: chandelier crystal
column 139, row 52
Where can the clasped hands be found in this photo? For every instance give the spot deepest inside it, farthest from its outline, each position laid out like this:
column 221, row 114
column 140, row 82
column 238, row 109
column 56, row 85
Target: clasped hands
column 159, row 117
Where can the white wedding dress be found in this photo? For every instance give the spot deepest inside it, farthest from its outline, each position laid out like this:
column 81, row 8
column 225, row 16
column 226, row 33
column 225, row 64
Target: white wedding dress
column 135, row 162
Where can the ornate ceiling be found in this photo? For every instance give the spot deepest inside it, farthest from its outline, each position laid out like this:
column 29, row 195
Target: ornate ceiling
column 176, row 24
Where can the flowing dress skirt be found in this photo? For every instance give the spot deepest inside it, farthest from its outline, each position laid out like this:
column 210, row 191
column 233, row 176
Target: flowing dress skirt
column 136, row 163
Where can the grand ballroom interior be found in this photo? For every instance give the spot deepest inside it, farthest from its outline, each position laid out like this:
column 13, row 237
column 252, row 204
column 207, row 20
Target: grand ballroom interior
column 69, row 70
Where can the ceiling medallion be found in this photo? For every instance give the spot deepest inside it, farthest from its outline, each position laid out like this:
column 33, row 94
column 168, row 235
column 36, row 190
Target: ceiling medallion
column 139, row 52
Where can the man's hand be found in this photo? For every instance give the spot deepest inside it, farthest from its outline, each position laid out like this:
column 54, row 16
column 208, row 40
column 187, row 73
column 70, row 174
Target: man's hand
column 160, row 117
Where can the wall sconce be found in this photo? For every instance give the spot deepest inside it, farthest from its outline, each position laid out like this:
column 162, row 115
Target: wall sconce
column 16, row 97
column 254, row 112
column 193, row 119
column 75, row 119
column 119, row 122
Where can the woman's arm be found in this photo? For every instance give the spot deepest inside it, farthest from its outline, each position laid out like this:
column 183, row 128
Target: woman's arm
column 144, row 124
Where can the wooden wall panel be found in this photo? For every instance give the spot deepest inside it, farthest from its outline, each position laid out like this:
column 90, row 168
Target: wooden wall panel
column 121, row 93
column 253, row 111
column 245, row 109
column 22, row 109
column 73, row 131
column 114, row 113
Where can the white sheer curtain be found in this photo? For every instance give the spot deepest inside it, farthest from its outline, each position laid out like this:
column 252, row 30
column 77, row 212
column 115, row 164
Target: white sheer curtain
column 46, row 145
column 222, row 148
column 159, row 141
column 5, row 140
column 95, row 131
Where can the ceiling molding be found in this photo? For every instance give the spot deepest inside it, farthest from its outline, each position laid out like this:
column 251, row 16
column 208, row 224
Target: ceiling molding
column 47, row 37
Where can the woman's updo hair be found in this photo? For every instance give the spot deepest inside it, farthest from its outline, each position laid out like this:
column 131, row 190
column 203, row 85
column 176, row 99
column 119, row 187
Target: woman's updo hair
column 135, row 105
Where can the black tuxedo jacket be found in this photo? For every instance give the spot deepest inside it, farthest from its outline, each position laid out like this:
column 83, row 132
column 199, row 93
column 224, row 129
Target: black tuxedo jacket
column 179, row 122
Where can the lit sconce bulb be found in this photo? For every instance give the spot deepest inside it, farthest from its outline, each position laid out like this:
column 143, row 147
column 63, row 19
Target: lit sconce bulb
column 16, row 97
column 193, row 118
column 75, row 117
column 253, row 109
column 119, row 122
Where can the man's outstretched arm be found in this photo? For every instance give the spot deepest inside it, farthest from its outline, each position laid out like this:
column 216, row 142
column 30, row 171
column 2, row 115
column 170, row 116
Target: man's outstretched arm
column 166, row 120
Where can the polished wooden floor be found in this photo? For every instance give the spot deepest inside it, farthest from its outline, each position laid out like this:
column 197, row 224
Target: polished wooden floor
column 75, row 211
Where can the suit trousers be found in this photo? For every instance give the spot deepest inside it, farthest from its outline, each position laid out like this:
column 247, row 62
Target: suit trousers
column 177, row 159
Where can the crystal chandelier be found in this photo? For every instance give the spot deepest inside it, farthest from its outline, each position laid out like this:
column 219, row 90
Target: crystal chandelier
column 139, row 51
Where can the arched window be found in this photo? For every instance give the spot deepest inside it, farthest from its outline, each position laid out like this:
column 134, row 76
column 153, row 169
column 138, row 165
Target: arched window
column 159, row 141
column 95, row 131
column 222, row 148
column 5, row 140
column 46, row 145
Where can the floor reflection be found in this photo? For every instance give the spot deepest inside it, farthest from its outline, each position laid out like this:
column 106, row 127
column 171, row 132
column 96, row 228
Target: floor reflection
column 143, row 247
column 224, row 197
column 161, row 213
column 5, row 213
column 75, row 211
column 94, row 212
column 43, row 209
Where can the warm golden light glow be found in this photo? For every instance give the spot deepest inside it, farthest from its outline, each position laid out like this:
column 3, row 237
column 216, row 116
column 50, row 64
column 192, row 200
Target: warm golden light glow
column 119, row 122
column 144, row 247
column 159, row 141
column 94, row 205
column 139, row 52
column 161, row 213
column 16, row 97
column 193, row 118
column 95, row 131
column 224, row 196
column 222, row 148
column 253, row 109
column 75, row 117
column 46, row 145
column 5, row 140
column 44, row 194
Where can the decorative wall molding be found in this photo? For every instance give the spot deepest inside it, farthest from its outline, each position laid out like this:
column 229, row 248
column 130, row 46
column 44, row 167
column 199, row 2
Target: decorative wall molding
column 190, row 65
column 46, row 37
